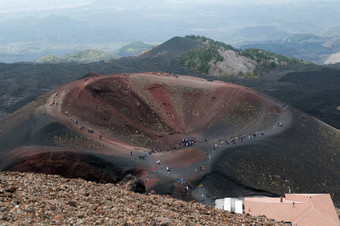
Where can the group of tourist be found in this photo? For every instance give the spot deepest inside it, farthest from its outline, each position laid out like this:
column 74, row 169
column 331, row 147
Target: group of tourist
column 89, row 130
column 220, row 142
column 187, row 141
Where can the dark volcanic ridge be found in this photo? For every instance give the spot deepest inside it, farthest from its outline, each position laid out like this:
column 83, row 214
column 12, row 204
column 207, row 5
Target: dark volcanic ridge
column 172, row 48
column 244, row 143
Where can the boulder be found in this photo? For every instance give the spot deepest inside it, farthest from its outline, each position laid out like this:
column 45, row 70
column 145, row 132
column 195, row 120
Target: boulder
column 133, row 183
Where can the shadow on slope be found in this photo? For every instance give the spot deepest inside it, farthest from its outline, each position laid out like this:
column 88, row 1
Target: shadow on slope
column 36, row 129
column 313, row 89
column 103, row 169
column 304, row 158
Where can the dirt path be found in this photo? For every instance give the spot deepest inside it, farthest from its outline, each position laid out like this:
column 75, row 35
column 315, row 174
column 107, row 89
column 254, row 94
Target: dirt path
column 191, row 168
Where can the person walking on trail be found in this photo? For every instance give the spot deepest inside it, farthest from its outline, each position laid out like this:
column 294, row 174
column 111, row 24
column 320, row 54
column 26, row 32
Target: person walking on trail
column 131, row 153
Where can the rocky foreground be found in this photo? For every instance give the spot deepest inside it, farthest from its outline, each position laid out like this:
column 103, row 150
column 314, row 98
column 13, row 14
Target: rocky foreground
column 27, row 198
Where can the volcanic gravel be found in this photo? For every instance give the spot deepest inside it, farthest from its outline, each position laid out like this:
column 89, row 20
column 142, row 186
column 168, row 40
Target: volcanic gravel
column 39, row 199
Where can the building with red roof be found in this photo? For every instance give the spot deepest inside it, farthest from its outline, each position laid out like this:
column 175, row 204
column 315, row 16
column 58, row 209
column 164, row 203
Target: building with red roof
column 295, row 209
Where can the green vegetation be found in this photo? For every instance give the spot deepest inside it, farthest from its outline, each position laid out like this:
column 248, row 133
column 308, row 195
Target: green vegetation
column 202, row 58
column 199, row 58
column 50, row 59
column 268, row 59
column 134, row 48
column 72, row 141
column 87, row 55
column 302, row 37
column 211, row 42
column 83, row 56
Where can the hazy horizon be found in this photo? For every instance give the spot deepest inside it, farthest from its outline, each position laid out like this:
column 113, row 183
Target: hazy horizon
column 36, row 28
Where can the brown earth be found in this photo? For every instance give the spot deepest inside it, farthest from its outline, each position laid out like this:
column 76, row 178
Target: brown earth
column 149, row 113
column 183, row 158
column 33, row 199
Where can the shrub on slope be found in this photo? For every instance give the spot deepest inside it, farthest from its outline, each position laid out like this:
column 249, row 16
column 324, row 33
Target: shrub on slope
column 220, row 59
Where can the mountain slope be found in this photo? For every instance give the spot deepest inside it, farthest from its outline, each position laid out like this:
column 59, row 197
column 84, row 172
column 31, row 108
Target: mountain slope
column 106, row 124
column 313, row 89
column 47, row 199
column 308, row 47
column 289, row 160
column 219, row 59
column 172, row 48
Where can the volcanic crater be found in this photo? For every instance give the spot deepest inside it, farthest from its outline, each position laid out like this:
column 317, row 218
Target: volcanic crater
column 113, row 125
column 156, row 110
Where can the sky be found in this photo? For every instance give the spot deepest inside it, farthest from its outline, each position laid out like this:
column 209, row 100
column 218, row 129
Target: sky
column 178, row 12
column 10, row 6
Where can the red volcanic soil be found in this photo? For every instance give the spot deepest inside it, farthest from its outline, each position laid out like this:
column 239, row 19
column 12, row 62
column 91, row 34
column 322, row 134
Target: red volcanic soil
column 135, row 113
column 116, row 119
column 155, row 111
column 129, row 121
column 183, row 158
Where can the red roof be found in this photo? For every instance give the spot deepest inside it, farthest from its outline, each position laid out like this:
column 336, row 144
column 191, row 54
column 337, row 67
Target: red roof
column 299, row 209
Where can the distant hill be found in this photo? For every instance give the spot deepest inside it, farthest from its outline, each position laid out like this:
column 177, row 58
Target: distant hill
column 172, row 48
column 134, row 48
column 333, row 59
column 83, row 56
column 220, row 59
column 303, row 38
column 333, row 43
column 308, row 47
column 51, row 59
